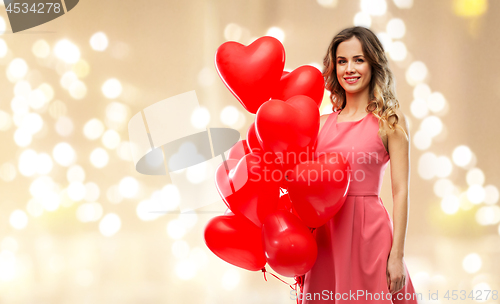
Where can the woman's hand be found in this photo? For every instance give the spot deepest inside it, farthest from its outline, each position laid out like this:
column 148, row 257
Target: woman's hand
column 396, row 277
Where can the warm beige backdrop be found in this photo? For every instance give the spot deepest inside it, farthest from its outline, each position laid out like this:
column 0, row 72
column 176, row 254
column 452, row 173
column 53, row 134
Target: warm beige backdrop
column 53, row 250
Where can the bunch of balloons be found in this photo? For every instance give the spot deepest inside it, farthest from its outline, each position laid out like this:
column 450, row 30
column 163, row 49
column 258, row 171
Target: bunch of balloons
column 274, row 188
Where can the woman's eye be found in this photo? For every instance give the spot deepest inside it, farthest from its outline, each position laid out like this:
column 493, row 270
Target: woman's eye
column 360, row 60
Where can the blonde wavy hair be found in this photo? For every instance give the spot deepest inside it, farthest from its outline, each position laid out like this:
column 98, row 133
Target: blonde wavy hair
column 383, row 101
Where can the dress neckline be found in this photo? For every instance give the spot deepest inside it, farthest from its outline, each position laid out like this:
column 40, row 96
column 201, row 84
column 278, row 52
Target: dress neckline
column 348, row 121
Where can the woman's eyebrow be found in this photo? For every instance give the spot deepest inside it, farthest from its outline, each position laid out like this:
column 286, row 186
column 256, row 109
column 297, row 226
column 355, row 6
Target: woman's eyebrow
column 352, row 57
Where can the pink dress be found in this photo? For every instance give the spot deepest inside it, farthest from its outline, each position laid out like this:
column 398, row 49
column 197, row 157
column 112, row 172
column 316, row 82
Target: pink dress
column 354, row 246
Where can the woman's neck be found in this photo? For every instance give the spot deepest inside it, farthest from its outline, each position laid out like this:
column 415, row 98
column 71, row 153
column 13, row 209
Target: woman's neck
column 356, row 103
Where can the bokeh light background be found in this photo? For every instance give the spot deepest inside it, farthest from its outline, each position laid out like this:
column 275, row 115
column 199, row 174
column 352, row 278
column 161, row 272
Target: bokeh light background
column 75, row 218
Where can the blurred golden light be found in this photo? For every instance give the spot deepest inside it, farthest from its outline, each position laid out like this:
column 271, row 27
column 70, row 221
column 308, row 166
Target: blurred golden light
column 22, row 88
column 67, row 51
column 185, row 269
column 110, row 224
column 5, row 121
column 89, row 212
column 488, row 215
column 35, row 207
column 419, row 108
column 422, row 140
column 18, row 219
column 470, row 8
column 199, row 257
column 51, row 201
column 64, row 126
column 188, row 219
column 124, row 151
column 450, row 204
column 386, row 41
column 64, row 154
column 472, row 263
column 41, row 186
column 206, row 77
column 113, row 195
column 403, row 3
column 229, row 115
column 175, row 229
column 44, row 164
column 462, row 156
column 81, row 68
column 112, row 88
column 9, row 243
column 230, row 279
column 436, row 102
column 465, row 203
column 111, row 139
column 99, row 42
column 200, row 118
column 37, row 99
column 17, row 69
column 27, row 162
column 426, row 165
column 491, row 194
column 47, row 91
column 75, row 173
column 78, row 89
column 92, row 192
column 170, row 196
column 22, row 137
column 93, row 129
column 398, row 51
column 416, row 73
column 476, row 194
column 117, row 112
column 421, row 91
column 7, row 265
column 32, row 123
column 432, row 125
column 374, row 7
column 147, row 210
column 57, row 109
column 8, row 172
column 396, row 28
column 20, row 105
column 99, row 157
column 277, row 33
column 444, row 166
column 67, row 79
column 443, row 187
column 128, row 187
column 180, row 249
column 41, row 48
column 475, row 176
column 328, row 3
column 233, row 32
column 3, row 48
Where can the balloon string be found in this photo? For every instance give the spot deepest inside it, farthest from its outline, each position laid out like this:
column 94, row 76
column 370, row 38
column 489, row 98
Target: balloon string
column 299, row 280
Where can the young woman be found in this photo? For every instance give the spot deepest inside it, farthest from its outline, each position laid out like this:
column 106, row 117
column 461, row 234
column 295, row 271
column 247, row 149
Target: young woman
column 361, row 250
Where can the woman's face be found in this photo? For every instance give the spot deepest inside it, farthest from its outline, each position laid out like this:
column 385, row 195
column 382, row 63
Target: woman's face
column 353, row 70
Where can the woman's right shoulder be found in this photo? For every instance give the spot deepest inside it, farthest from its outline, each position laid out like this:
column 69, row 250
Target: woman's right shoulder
column 322, row 120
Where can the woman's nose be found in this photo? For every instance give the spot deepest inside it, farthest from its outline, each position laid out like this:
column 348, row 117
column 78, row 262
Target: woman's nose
column 350, row 67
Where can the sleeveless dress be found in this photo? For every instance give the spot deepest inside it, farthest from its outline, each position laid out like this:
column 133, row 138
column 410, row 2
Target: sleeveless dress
column 354, row 246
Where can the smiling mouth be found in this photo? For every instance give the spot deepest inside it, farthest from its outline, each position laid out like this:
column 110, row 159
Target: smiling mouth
column 352, row 80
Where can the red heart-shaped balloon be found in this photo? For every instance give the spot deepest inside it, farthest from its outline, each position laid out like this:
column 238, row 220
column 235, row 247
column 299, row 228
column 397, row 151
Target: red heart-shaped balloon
column 251, row 72
column 284, row 203
column 289, row 245
column 289, row 129
column 247, row 187
column 318, row 188
column 305, row 80
column 236, row 240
